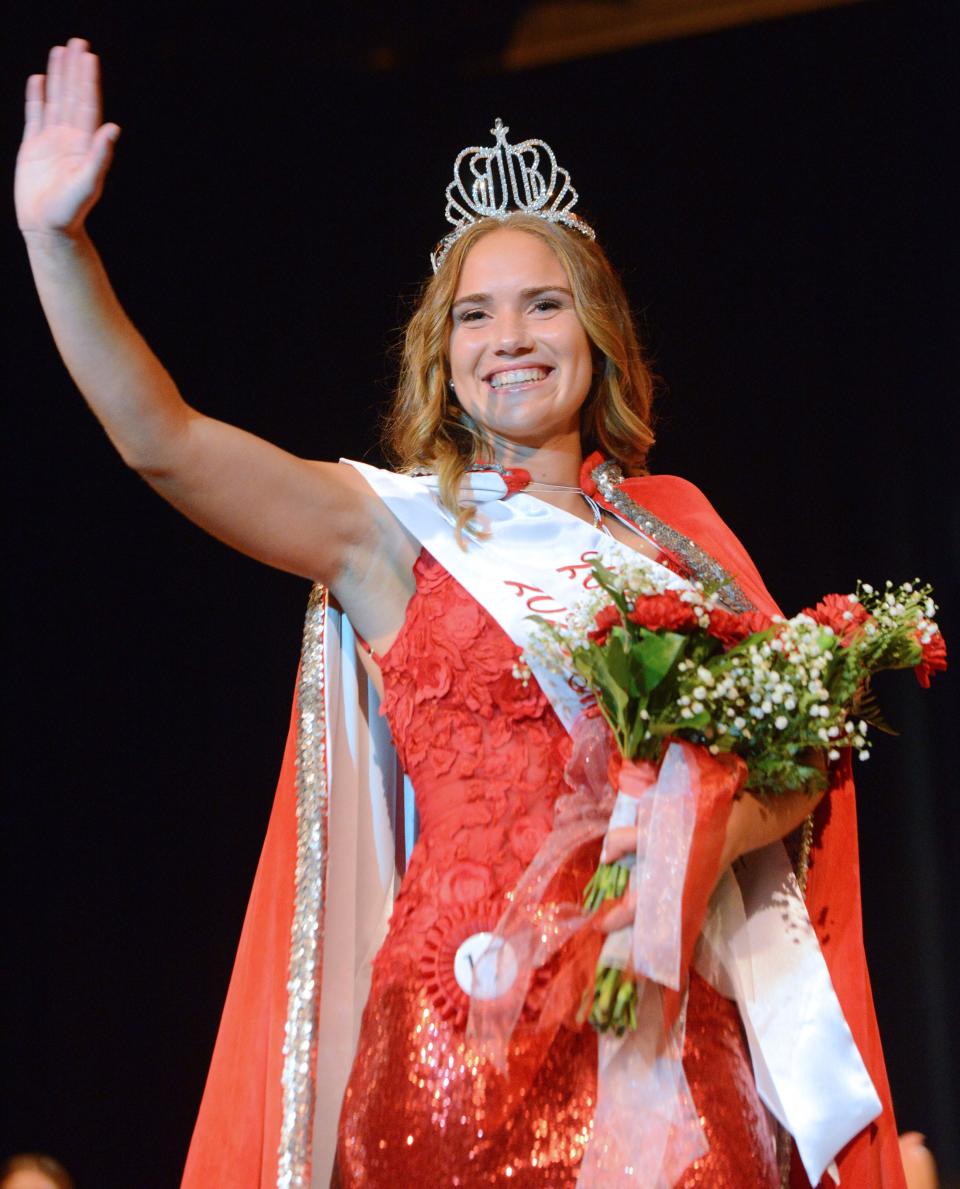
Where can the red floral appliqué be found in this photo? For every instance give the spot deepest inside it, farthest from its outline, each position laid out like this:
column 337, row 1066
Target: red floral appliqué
column 485, row 756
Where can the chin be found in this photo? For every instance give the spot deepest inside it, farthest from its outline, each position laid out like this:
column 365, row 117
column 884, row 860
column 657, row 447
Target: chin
column 530, row 438
column 524, row 426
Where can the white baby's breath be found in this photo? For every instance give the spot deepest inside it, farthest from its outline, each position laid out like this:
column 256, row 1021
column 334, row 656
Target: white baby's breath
column 784, row 690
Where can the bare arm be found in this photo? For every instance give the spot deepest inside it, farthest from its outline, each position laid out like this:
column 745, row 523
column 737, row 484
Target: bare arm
column 315, row 519
column 752, row 823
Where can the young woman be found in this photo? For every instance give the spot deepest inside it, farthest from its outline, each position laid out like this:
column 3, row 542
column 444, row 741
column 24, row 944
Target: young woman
column 522, row 381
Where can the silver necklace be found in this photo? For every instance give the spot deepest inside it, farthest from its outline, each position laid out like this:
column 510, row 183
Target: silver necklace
column 598, row 521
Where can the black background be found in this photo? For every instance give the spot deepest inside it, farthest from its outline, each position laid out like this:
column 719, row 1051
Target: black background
column 778, row 199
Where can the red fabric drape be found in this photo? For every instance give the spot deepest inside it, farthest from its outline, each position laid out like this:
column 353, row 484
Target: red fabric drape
column 235, row 1140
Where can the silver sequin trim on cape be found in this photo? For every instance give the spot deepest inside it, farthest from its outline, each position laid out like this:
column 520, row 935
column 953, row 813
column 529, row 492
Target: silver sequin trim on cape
column 608, row 477
column 306, row 937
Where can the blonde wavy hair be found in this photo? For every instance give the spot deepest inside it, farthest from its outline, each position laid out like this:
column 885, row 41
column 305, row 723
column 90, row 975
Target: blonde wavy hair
column 426, row 428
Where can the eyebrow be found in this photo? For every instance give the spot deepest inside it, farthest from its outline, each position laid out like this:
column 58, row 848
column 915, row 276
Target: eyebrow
column 526, row 294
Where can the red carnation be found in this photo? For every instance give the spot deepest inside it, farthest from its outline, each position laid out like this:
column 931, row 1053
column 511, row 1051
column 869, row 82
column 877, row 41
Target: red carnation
column 667, row 611
column 838, row 612
column 755, row 621
column 731, row 629
column 728, row 628
column 934, row 659
column 608, row 617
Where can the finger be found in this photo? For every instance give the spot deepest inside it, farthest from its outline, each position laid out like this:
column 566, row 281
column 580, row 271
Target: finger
column 51, row 114
column 619, row 842
column 620, row 916
column 101, row 155
column 33, row 107
column 73, row 80
column 88, row 109
column 617, row 918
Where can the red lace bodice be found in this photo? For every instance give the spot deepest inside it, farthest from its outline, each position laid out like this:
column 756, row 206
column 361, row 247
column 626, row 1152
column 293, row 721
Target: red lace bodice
column 483, row 749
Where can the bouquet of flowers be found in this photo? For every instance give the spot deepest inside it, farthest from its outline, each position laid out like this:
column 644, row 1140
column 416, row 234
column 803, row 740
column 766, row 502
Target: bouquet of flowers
column 671, row 663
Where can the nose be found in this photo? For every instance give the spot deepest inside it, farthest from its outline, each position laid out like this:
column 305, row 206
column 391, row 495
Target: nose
column 513, row 335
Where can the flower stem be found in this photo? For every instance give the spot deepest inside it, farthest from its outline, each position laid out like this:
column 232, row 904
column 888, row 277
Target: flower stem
column 608, row 882
column 614, row 1001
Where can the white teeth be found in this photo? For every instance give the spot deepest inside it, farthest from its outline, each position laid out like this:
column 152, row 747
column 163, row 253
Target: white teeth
column 520, row 376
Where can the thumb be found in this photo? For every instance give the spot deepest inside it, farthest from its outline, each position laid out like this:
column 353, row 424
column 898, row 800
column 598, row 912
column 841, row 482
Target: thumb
column 101, row 153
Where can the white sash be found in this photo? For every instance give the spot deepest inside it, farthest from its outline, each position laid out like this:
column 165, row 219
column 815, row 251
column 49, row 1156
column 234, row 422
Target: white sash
column 758, row 947
column 758, row 944
column 513, row 572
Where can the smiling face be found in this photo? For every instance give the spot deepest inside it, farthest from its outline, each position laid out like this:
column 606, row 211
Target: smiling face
column 520, row 358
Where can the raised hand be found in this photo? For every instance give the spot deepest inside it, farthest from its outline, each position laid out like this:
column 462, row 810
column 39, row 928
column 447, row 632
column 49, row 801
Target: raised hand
column 66, row 151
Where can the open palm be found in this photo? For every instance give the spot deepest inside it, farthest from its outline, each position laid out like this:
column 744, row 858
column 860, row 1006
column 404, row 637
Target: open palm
column 66, row 151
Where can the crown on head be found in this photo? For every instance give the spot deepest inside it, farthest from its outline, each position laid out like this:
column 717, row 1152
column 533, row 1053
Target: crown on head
column 506, row 172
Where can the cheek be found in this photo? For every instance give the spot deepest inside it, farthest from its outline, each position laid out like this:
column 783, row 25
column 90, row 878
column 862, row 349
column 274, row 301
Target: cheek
column 580, row 361
column 572, row 344
column 585, row 353
column 461, row 353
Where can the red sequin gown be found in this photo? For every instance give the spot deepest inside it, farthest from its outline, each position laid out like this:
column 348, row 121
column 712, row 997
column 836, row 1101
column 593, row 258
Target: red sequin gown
column 486, row 756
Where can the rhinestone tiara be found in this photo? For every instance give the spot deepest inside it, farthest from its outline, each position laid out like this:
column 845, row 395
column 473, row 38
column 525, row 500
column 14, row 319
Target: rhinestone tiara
column 501, row 173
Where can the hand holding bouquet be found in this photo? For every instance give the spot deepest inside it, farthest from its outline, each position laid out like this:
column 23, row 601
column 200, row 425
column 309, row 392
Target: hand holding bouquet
column 670, row 663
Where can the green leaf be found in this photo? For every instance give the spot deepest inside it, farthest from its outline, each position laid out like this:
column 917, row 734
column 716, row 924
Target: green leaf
column 611, row 696
column 866, row 706
column 639, row 730
column 608, row 580
column 657, row 652
column 611, row 687
column 618, row 661
column 743, row 648
column 679, row 726
column 769, row 775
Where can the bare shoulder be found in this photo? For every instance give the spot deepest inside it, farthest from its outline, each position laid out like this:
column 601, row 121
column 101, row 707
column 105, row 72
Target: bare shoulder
column 376, row 580
column 356, row 515
column 369, row 522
